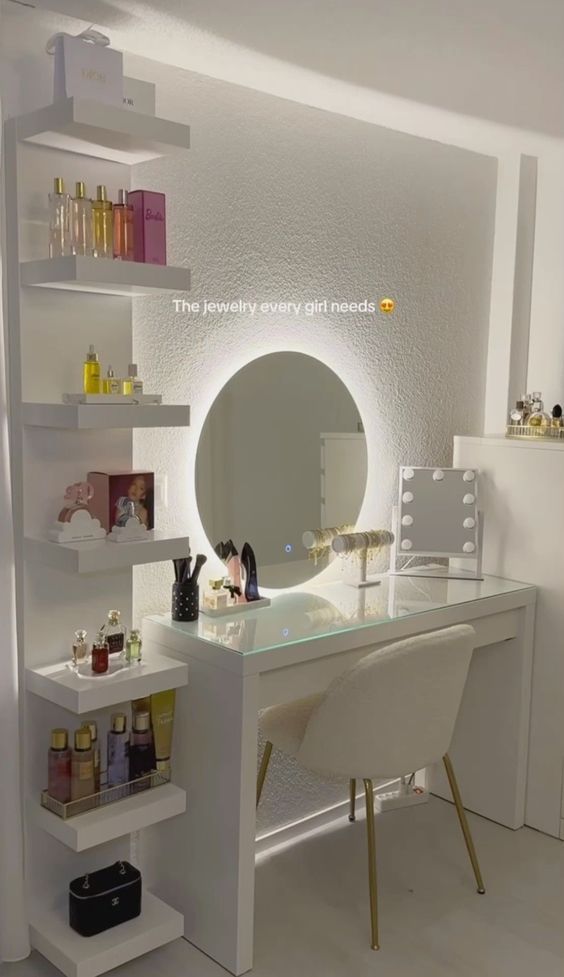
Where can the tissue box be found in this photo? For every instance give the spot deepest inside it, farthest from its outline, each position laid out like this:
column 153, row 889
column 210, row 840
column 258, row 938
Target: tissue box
column 113, row 491
column 149, row 226
column 139, row 96
column 86, row 70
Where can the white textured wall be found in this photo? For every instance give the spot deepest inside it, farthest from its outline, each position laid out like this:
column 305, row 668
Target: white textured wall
column 278, row 201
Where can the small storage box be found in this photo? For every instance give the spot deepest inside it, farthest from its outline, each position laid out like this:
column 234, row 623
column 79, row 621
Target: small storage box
column 104, row 899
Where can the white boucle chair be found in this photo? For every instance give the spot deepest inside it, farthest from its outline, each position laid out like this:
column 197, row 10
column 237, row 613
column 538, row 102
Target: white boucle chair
column 390, row 714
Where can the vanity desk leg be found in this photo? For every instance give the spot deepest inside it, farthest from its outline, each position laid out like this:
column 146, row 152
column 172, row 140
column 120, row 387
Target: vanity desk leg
column 203, row 862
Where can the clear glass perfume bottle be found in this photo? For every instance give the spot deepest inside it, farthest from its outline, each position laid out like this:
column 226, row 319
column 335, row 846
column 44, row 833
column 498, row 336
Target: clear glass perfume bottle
column 123, row 228
column 133, row 648
column 81, row 221
column 517, row 415
column 132, row 385
column 91, row 381
column 59, row 220
column 114, row 633
column 102, row 219
column 79, row 648
column 539, row 417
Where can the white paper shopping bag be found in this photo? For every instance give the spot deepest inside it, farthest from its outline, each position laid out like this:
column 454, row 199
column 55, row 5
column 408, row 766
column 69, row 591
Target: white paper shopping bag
column 87, row 69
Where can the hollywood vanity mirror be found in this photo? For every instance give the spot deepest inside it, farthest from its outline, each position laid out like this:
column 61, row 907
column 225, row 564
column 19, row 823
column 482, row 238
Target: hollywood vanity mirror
column 282, row 451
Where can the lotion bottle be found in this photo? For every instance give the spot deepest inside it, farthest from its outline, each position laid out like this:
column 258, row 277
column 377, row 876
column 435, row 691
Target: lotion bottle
column 59, row 774
column 82, row 765
column 118, row 751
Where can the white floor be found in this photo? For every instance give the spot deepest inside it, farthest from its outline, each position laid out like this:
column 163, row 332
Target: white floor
column 312, row 906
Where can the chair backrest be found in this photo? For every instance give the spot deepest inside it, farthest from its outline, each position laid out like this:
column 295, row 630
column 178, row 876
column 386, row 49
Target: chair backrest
column 394, row 711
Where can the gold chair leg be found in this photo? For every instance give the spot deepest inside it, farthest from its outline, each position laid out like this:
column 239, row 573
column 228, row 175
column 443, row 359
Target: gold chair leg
column 352, row 788
column 463, row 822
column 263, row 769
column 372, row 880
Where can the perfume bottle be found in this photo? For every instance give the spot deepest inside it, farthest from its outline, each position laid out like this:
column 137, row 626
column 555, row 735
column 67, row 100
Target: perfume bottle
column 100, row 655
column 59, row 220
column 102, row 220
column 77, row 496
column 92, row 726
column 79, row 648
column 557, row 416
column 111, row 384
column 81, row 221
column 517, row 415
column 539, row 418
column 216, row 597
column 114, row 633
column 118, row 751
column 59, row 763
column 91, row 381
column 141, row 747
column 132, row 385
column 123, row 228
column 82, row 765
column 133, row 647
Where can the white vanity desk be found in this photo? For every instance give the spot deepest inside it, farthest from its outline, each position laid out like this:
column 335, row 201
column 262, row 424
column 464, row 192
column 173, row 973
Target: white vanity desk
column 202, row 862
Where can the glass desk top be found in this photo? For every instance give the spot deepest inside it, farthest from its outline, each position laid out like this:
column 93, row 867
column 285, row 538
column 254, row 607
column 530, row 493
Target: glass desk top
column 323, row 610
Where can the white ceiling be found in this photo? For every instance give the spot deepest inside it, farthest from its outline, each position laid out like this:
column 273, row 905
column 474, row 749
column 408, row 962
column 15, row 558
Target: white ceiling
column 501, row 60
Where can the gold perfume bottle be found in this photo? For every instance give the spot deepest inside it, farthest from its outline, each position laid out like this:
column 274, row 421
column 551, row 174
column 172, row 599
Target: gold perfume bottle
column 91, row 373
column 102, row 217
column 132, row 385
column 111, row 384
column 81, row 221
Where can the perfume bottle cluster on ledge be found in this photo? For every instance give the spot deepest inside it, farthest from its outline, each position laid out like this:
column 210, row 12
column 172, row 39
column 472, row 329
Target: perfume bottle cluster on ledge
column 112, row 642
column 131, row 229
column 106, row 386
column 81, row 776
column 119, row 505
column 529, row 419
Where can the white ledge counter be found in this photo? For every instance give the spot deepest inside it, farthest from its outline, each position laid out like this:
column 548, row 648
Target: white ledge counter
column 296, row 646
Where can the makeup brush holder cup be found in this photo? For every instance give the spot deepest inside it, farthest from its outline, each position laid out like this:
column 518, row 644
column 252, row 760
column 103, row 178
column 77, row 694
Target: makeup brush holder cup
column 185, row 601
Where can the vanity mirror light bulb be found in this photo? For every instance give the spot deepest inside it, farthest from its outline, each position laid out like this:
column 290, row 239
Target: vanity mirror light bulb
column 438, row 475
column 406, row 544
column 407, row 497
column 469, row 523
column 469, row 547
column 469, row 499
column 469, row 476
column 407, row 521
column 408, row 474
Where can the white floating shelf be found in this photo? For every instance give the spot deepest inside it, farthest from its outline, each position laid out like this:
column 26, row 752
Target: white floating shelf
column 91, row 128
column 113, row 820
column 63, row 686
column 77, row 956
column 84, row 417
column 80, row 273
column 102, row 554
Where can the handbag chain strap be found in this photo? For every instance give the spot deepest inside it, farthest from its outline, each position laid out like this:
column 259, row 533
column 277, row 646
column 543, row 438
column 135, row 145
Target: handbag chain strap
column 122, row 871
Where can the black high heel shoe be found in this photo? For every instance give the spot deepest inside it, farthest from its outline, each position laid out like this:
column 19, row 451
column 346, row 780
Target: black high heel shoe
column 249, row 564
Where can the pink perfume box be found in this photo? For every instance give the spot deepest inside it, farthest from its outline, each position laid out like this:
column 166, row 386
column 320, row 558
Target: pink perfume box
column 115, row 491
column 149, row 226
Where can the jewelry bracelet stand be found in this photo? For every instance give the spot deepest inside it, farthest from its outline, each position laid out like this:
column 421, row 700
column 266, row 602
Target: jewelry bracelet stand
column 362, row 544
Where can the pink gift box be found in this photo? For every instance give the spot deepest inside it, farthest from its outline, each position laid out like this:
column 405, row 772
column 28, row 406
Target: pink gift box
column 149, row 226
